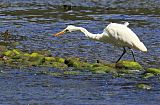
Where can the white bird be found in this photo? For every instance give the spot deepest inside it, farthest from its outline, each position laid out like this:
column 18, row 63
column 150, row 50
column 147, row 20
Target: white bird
column 117, row 34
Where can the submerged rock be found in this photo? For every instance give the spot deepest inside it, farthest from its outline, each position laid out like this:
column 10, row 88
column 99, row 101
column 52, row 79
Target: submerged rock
column 143, row 86
column 148, row 75
column 153, row 71
column 17, row 58
column 71, row 73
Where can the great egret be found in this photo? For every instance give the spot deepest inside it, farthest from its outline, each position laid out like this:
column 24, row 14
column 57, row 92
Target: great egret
column 117, row 34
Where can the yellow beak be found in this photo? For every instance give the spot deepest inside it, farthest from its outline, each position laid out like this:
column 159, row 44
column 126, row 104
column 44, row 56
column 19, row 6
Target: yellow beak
column 59, row 33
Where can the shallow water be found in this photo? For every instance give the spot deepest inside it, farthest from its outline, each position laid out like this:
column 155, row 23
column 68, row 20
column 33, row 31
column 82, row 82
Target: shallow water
column 37, row 20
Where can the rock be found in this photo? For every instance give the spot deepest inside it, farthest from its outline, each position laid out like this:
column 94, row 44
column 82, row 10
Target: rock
column 16, row 51
column 143, row 86
column 12, row 53
column 59, row 65
column 36, row 59
column 148, row 75
column 8, row 53
column 75, row 62
column 50, row 59
column 103, row 69
column 128, row 65
column 71, row 72
column 44, row 52
column 17, row 58
column 153, row 71
column 35, row 55
column 60, row 60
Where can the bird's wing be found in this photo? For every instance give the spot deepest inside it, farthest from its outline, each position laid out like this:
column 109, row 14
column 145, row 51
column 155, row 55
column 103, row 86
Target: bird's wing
column 123, row 36
column 121, row 32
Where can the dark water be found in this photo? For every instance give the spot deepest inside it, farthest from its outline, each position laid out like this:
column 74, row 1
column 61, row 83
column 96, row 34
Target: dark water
column 37, row 20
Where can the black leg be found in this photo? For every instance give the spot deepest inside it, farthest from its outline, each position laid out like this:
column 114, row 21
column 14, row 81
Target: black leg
column 133, row 55
column 124, row 51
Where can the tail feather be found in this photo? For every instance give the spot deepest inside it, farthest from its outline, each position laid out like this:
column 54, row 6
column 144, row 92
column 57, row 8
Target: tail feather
column 140, row 46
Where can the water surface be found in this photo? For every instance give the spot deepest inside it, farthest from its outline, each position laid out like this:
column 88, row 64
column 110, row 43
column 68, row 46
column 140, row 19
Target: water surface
column 37, row 20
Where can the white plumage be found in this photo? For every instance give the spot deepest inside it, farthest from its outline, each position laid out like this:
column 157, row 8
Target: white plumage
column 117, row 34
column 122, row 36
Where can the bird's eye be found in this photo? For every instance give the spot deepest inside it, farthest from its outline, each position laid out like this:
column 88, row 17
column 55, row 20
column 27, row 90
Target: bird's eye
column 66, row 30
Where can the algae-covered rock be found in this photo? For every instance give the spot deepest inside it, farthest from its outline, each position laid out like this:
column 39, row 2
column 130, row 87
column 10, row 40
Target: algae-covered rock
column 125, row 71
column 44, row 52
column 8, row 53
column 54, row 62
column 59, row 65
column 18, row 58
column 102, row 69
column 143, row 86
column 148, row 75
column 97, row 65
column 50, row 59
column 16, row 51
column 12, row 53
column 153, row 71
column 26, row 54
column 35, row 55
column 60, row 60
column 36, row 59
column 71, row 72
column 75, row 62
column 128, row 65
column 56, row 74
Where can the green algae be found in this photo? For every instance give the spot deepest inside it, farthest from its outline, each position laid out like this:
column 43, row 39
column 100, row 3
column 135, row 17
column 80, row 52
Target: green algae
column 16, row 51
column 125, row 71
column 12, row 53
column 50, row 59
column 148, row 75
column 59, row 74
column 36, row 59
column 54, row 62
column 8, row 53
column 59, row 65
column 101, row 69
column 144, row 86
column 153, row 71
column 128, row 65
column 46, row 53
column 71, row 73
column 60, row 60
column 17, row 58
column 56, row 74
column 75, row 62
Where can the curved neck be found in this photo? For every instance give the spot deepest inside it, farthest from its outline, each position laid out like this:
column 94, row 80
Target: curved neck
column 88, row 34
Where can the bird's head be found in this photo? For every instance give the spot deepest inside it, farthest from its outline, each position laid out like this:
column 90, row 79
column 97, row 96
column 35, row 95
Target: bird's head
column 69, row 28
